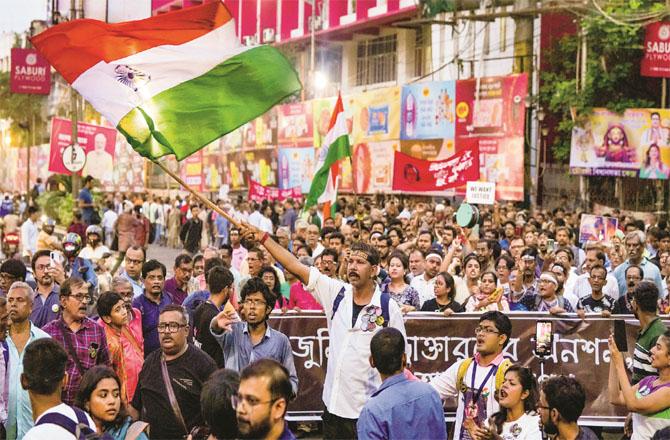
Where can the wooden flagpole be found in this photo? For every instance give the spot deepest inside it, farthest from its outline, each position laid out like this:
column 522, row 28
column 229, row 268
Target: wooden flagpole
column 199, row 196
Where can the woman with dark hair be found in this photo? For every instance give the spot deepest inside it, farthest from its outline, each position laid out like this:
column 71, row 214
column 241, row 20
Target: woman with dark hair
column 518, row 400
column 504, row 267
column 396, row 283
column 445, row 291
column 217, row 408
column 269, row 276
column 396, row 236
column 100, row 394
column 488, row 296
column 653, row 167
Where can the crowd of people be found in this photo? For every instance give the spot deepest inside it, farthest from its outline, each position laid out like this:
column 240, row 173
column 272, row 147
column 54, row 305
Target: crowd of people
column 100, row 340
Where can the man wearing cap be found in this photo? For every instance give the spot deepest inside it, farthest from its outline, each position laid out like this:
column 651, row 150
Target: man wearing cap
column 11, row 270
column 355, row 311
column 546, row 299
column 425, row 283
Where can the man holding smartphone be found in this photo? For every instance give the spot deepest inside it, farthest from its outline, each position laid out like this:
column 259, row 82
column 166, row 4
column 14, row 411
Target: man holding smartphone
column 471, row 380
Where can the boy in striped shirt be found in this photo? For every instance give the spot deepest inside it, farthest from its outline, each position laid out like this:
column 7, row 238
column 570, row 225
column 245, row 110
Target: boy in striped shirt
column 645, row 309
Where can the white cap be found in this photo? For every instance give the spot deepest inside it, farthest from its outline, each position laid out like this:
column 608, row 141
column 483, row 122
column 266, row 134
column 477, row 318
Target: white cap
column 404, row 215
column 439, row 207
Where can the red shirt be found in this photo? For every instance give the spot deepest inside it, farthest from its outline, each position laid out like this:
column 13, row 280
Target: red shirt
column 302, row 299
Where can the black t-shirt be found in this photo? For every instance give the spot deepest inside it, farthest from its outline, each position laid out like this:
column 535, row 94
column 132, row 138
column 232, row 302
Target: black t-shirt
column 188, row 373
column 621, row 306
column 432, row 306
column 356, row 310
column 592, row 305
column 202, row 317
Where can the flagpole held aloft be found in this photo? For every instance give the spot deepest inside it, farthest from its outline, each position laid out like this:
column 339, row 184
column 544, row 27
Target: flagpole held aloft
column 199, row 196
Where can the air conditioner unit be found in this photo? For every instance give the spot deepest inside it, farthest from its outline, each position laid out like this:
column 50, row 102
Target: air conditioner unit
column 315, row 22
column 268, row 35
column 249, row 40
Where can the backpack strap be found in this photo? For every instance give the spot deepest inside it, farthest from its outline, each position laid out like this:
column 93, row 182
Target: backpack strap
column 336, row 302
column 500, row 374
column 79, row 429
column 385, row 298
column 460, row 375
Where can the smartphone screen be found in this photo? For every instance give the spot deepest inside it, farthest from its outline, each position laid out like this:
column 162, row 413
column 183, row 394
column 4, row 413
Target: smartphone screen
column 550, row 244
column 620, row 335
column 543, row 338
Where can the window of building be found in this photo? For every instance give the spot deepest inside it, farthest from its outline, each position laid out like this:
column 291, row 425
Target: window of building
column 376, row 60
column 422, row 51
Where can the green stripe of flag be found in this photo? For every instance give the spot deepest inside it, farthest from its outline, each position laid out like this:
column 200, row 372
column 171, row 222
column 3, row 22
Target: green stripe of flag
column 187, row 117
column 338, row 150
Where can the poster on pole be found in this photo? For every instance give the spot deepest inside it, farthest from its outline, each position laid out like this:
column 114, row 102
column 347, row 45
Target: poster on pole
column 97, row 142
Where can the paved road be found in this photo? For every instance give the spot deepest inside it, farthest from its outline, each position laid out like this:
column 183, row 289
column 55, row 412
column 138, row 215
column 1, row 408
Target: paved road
column 165, row 255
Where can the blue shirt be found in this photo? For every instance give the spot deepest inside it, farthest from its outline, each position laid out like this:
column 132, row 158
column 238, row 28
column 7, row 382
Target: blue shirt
column 138, row 287
column 222, row 227
column 45, row 311
column 150, row 313
column 650, row 270
column 238, row 351
column 86, row 197
column 402, row 409
column 19, row 411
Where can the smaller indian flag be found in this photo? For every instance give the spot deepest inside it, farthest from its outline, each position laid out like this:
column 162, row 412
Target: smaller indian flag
column 172, row 83
column 335, row 148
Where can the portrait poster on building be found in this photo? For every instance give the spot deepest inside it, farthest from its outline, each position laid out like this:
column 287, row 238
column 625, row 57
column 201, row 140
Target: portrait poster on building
column 191, row 171
column 129, row 168
column 295, row 124
column 373, row 115
column 428, row 110
column 416, row 175
column 490, row 115
column 373, row 166
column 633, row 144
column 323, row 110
column 97, row 142
column 296, row 168
column 261, row 166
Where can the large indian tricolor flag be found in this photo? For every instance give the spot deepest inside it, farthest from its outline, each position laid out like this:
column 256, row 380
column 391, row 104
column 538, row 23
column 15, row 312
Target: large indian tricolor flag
column 171, row 83
column 335, row 148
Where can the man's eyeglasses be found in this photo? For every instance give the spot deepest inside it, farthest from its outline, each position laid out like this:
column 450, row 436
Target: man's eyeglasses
column 85, row 299
column 548, row 408
column 131, row 261
column 486, row 330
column 255, row 303
column 236, row 400
column 170, row 327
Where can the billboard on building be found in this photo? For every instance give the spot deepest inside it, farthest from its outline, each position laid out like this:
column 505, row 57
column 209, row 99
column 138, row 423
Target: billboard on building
column 633, row 144
column 31, row 72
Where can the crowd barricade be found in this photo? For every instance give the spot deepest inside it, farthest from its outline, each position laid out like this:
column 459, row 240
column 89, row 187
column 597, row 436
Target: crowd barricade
column 435, row 342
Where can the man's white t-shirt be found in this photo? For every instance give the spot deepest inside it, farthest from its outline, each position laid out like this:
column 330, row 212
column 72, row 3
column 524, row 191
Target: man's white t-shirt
column 55, row 432
column 425, row 288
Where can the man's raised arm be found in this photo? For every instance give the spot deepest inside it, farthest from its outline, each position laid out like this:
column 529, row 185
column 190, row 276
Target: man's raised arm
column 283, row 256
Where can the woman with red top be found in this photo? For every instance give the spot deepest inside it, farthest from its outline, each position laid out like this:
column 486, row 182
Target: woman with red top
column 125, row 351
